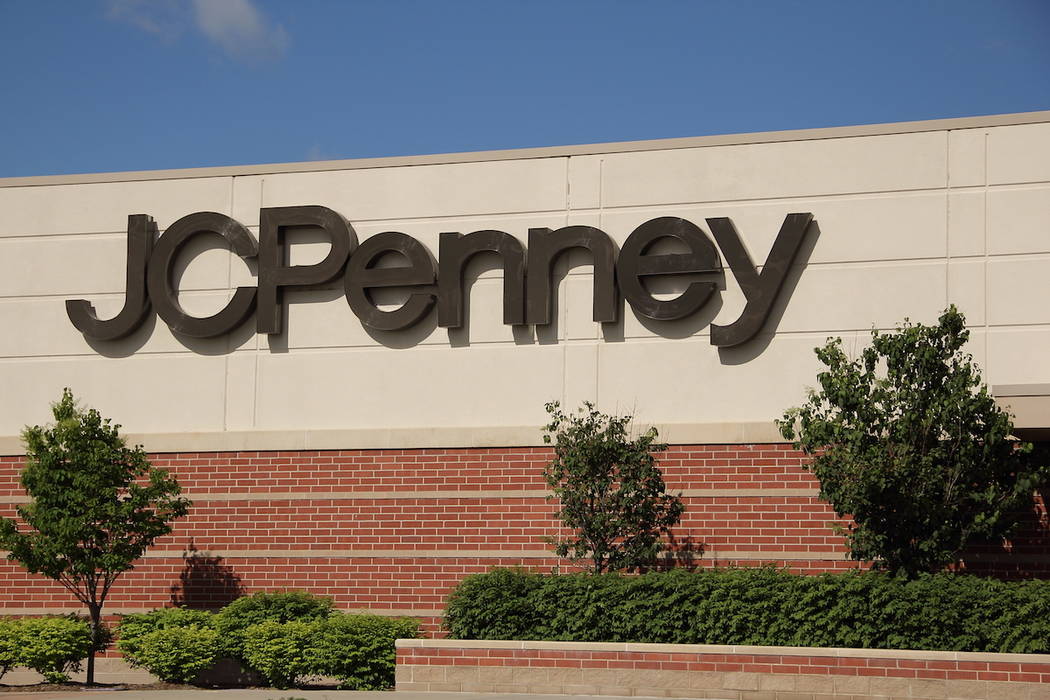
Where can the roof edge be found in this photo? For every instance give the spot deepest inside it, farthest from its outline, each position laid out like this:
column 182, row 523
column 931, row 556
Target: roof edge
column 1013, row 119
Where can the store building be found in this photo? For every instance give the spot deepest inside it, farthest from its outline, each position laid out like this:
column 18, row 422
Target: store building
column 335, row 440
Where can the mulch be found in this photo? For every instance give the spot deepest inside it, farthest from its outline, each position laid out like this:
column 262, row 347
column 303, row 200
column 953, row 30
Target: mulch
column 78, row 686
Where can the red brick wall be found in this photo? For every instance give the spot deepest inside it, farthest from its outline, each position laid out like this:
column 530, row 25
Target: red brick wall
column 314, row 520
column 883, row 665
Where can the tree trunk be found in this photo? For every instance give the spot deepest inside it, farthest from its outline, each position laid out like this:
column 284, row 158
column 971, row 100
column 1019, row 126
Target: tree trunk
column 95, row 610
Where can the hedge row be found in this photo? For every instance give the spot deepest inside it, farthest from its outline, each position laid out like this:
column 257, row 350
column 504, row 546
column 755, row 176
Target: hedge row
column 51, row 646
column 756, row 606
column 286, row 637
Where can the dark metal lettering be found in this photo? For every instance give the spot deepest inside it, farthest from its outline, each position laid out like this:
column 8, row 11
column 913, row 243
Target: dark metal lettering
column 275, row 275
column 544, row 248
column 633, row 264
column 362, row 275
column 760, row 289
column 161, row 287
column 455, row 249
column 528, row 285
column 142, row 232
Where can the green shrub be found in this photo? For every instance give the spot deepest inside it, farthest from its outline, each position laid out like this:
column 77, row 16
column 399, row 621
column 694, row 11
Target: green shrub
column 356, row 649
column 10, row 644
column 761, row 606
column 496, row 605
column 132, row 628
column 53, row 646
column 175, row 654
column 297, row 636
column 359, row 649
column 232, row 621
column 284, row 653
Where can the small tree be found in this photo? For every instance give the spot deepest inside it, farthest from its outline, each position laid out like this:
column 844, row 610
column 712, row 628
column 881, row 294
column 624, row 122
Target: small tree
column 908, row 442
column 95, row 506
column 611, row 491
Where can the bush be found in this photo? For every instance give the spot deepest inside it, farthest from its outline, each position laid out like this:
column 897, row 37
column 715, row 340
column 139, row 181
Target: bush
column 232, row 621
column 53, row 646
column 10, row 644
column 284, row 653
column 133, row 628
column 174, row 644
column 176, row 654
column 496, row 605
column 359, row 649
column 762, row 606
column 356, row 649
column 296, row 636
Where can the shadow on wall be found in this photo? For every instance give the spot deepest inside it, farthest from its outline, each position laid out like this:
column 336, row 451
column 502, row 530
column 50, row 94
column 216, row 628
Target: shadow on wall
column 205, row 583
column 1025, row 556
column 680, row 553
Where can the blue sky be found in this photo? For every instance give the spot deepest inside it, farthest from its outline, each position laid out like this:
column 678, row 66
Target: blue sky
column 102, row 85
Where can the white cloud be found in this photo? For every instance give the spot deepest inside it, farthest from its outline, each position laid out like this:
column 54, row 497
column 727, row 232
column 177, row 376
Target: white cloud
column 235, row 26
column 165, row 18
column 240, row 29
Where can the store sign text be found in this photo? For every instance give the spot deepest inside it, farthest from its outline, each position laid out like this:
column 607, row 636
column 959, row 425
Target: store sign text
column 527, row 272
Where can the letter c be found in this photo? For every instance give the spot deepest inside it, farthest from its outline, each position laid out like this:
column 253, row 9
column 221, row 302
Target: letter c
column 159, row 279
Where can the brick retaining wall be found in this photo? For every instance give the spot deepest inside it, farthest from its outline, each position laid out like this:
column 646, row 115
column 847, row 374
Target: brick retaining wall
column 728, row 672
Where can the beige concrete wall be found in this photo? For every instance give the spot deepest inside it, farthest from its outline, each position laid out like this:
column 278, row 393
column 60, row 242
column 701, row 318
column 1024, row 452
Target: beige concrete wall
column 908, row 222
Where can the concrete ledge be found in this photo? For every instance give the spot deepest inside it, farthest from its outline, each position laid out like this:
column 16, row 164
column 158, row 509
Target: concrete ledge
column 464, row 494
column 716, row 671
column 414, row 438
column 714, row 556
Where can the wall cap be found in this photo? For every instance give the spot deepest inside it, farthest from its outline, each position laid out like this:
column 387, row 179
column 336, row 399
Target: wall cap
column 912, row 654
column 412, row 438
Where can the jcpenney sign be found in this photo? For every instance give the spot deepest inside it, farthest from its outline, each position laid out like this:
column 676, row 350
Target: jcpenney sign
column 527, row 274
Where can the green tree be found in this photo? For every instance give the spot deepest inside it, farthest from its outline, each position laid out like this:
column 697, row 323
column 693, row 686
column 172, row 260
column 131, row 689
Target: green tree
column 907, row 441
column 95, row 506
column 611, row 491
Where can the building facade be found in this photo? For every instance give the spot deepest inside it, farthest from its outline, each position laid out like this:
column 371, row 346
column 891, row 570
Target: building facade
column 352, row 394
